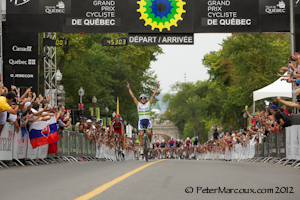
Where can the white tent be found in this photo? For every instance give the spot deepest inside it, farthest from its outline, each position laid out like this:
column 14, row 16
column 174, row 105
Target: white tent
column 277, row 88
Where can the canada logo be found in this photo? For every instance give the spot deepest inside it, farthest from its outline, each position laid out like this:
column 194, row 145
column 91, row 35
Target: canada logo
column 46, row 131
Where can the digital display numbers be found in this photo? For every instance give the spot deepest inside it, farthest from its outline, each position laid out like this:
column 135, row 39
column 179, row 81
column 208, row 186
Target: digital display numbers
column 114, row 41
column 57, row 42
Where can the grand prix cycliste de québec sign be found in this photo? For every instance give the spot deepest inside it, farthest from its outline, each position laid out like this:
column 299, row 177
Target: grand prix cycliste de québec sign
column 149, row 16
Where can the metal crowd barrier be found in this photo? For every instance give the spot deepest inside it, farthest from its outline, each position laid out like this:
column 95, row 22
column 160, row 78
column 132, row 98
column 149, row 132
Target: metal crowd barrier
column 16, row 149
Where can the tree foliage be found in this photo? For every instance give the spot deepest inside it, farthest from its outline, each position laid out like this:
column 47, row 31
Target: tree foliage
column 104, row 71
column 245, row 63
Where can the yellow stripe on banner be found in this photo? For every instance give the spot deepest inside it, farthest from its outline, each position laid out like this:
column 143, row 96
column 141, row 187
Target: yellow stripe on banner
column 104, row 187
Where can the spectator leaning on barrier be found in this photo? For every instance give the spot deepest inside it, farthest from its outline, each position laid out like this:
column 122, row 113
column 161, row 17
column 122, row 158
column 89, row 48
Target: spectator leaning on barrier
column 5, row 107
column 282, row 119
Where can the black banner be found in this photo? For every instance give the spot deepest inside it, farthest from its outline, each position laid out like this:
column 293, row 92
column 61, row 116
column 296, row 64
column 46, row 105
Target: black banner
column 21, row 60
column 95, row 16
column 152, row 39
column 226, row 16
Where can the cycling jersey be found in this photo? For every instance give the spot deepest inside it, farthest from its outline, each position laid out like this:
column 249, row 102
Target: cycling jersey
column 188, row 143
column 163, row 145
column 178, row 144
column 144, row 110
column 156, row 144
column 171, row 143
column 117, row 126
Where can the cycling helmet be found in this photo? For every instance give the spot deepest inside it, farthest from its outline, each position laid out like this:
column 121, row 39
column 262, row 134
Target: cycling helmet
column 117, row 116
column 181, row 140
column 171, row 138
column 178, row 140
column 162, row 140
column 188, row 138
column 157, row 141
column 143, row 96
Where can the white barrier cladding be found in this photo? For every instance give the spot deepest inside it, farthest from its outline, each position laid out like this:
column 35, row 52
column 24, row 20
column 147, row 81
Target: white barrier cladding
column 31, row 153
column 20, row 145
column 292, row 142
column 42, row 151
column 6, row 142
column 236, row 152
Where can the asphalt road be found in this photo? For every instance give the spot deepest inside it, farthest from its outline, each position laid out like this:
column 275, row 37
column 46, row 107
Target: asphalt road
column 167, row 179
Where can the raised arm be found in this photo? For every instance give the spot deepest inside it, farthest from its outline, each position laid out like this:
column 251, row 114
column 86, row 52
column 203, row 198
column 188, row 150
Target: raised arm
column 289, row 103
column 131, row 94
column 154, row 93
column 246, row 109
column 26, row 92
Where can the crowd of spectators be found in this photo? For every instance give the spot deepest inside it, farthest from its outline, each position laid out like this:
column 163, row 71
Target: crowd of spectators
column 265, row 122
column 22, row 109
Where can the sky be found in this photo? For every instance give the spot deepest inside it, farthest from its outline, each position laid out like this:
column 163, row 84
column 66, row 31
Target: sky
column 178, row 60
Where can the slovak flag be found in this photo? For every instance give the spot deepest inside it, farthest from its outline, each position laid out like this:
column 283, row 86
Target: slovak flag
column 53, row 137
column 39, row 133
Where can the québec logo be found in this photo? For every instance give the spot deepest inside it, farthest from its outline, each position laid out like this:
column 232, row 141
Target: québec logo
column 20, row 2
column 278, row 9
column 59, row 8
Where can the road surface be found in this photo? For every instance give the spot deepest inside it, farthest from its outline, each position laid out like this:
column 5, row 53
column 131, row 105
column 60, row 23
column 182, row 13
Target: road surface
column 136, row 180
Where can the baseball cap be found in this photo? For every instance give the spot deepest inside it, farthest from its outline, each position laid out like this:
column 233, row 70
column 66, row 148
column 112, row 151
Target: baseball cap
column 274, row 107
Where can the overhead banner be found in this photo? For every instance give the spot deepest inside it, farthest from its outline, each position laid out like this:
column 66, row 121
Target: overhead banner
column 226, row 16
column 97, row 16
column 149, row 16
column 21, row 60
column 152, row 39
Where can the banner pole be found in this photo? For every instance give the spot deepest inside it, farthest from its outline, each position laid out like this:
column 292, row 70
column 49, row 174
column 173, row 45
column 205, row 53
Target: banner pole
column 118, row 106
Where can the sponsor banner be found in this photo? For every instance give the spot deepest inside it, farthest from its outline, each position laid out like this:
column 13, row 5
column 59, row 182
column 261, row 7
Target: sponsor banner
column 152, row 39
column 6, row 142
column 21, row 60
column 97, row 16
column 54, row 7
column 20, row 145
column 292, row 142
column 274, row 7
column 226, row 16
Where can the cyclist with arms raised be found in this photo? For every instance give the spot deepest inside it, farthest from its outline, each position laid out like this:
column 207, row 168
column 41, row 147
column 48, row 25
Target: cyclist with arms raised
column 143, row 108
column 118, row 127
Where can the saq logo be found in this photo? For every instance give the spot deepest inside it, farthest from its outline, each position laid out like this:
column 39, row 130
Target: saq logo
column 19, row 2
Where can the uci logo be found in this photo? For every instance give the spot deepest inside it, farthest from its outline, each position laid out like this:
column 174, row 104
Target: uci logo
column 20, row 2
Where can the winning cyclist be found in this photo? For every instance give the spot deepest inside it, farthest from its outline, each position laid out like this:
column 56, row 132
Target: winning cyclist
column 118, row 127
column 143, row 108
